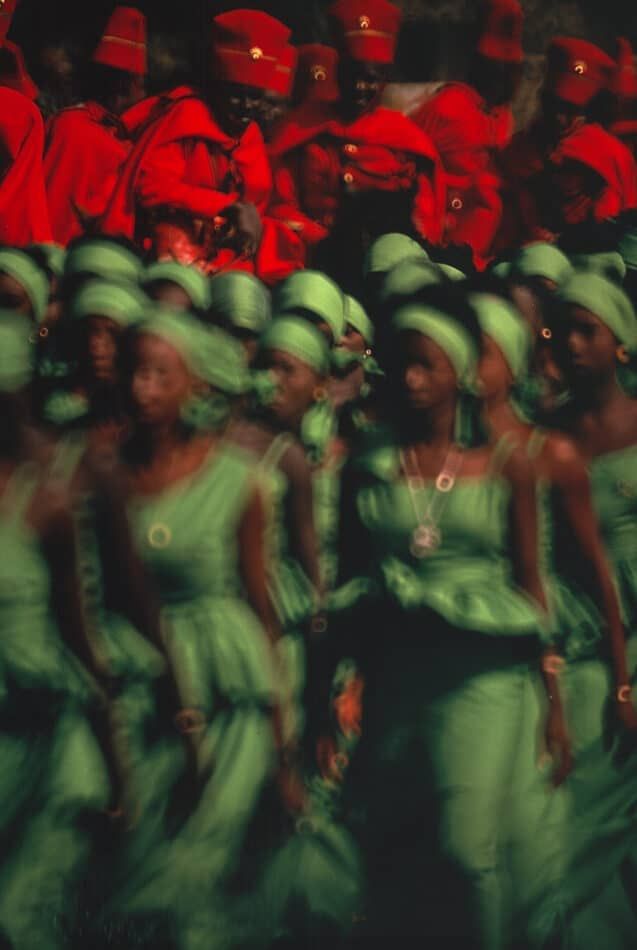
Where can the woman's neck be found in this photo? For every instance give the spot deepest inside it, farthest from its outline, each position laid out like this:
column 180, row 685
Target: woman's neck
column 500, row 416
column 158, row 444
column 599, row 400
column 435, row 428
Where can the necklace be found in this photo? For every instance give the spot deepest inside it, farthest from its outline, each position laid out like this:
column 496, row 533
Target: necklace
column 427, row 536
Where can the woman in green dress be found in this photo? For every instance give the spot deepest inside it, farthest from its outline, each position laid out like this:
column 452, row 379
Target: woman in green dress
column 446, row 537
column 53, row 774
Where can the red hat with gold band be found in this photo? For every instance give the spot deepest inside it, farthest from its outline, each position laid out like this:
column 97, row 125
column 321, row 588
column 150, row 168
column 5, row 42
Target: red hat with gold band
column 623, row 82
column 577, row 70
column 13, row 71
column 7, row 9
column 285, row 72
column 247, row 47
column 369, row 27
column 501, row 37
column 317, row 74
column 123, row 44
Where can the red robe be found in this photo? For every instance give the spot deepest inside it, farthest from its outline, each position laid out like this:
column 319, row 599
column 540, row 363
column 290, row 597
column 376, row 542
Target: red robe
column 466, row 135
column 181, row 175
column 24, row 217
column 86, row 148
column 317, row 155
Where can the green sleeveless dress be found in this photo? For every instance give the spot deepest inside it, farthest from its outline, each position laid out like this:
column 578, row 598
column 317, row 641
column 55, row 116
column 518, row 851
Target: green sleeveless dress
column 52, row 769
column 187, row 537
column 450, row 642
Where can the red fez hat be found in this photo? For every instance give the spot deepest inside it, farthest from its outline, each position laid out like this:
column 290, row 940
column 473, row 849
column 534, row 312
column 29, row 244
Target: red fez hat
column 247, row 46
column 370, row 28
column 623, row 82
column 316, row 76
column 285, row 72
column 13, row 71
column 123, row 44
column 577, row 70
column 7, row 9
column 501, row 37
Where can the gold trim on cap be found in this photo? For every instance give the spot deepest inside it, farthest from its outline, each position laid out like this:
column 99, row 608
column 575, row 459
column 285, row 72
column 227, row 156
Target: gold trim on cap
column 379, row 34
column 248, row 53
column 123, row 42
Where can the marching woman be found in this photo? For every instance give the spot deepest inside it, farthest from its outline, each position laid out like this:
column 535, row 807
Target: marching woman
column 447, row 537
column 596, row 331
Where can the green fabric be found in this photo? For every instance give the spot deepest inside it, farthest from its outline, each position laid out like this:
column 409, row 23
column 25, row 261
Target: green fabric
column 191, row 280
column 452, row 273
column 448, row 334
column 502, row 270
column 609, row 264
column 240, row 300
column 315, row 292
column 55, row 257
column 408, row 277
column 26, row 272
column 389, row 250
column 123, row 303
column 500, row 321
column 628, row 248
column 356, row 317
column 16, row 353
column 210, row 354
column 606, row 301
column 542, row 260
column 103, row 258
column 296, row 336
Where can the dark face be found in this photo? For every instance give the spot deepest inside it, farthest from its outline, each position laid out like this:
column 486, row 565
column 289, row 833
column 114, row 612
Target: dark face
column 496, row 82
column 587, row 350
column 421, row 373
column 274, row 107
column 101, row 353
column 235, row 106
column 493, row 371
column 14, row 297
column 574, row 189
column 160, row 383
column 169, row 293
column 361, row 84
column 296, row 383
column 248, row 340
column 353, row 341
column 561, row 118
column 133, row 94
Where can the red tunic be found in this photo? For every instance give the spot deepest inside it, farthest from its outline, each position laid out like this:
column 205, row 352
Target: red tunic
column 24, row 215
column 86, row 148
column 466, row 134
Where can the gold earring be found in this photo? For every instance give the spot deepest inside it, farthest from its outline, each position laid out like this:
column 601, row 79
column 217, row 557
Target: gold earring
column 320, row 394
column 623, row 355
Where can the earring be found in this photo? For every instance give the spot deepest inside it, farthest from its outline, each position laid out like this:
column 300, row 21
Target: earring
column 623, row 355
column 320, row 394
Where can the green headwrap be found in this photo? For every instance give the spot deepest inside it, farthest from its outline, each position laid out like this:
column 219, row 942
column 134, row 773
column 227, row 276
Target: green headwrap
column 450, row 336
column 103, row 258
column 240, row 300
column 542, row 260
column 123, row 303
column 294, row 335
column 628, row 248
column 502, row 270
column 389, row 250
column 356, row 317
column 191, row 280
column 209, row 353
column 26, row 272
column 451, row 273
column 16, row 352
column 605, row 300
column 408, row 277
column 500, row 321
column 608, row 264
column 55, row 257
column 316, row 292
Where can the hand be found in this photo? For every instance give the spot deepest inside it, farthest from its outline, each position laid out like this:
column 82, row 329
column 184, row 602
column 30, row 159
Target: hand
column 244, row 228
column 558, row 746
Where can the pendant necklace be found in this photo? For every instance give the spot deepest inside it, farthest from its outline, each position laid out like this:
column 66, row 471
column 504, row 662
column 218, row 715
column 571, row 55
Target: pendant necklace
column 427, row 536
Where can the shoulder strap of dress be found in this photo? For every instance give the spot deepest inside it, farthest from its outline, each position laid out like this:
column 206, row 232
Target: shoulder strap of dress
column 67, row 456
column 502, row 452
column 536, row 443
column 19, row 491
column 276, row 450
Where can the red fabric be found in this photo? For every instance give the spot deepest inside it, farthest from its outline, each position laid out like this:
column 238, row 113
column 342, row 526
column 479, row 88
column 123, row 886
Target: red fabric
column 577, row 70
column 84, row 155
column 369, row 27
column 6, row 16
column 24, row 215
column 518, row 164
column 247, row 45
column 123, row 44
column 13, row 71
column 501, row 37
column 285, row 72
column 623, row 83
column 380, row 151
column 317, row 74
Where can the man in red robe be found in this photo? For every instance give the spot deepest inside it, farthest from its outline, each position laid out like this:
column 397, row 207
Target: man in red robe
column 470, row 122
column 24, row 215
column 197, row 184
column 623, row 89
column 87, row 144
column 354, row 169
column 13, row 71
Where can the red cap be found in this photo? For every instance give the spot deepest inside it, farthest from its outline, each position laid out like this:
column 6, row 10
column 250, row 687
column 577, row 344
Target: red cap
column 623, row 82
column 247, row 46
column 370, row 28
column 13, row 71
column 501, row 37
column 7, row 9
column 123, row 44
column 317, row 74
column 577, row 70
column 285, row 72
